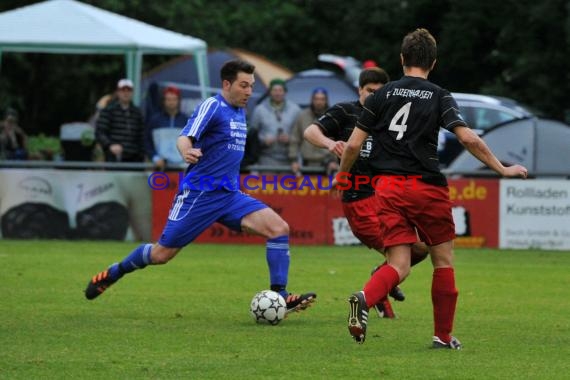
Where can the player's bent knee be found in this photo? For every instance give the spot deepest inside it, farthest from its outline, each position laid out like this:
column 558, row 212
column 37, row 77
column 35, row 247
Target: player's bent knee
column 278, row 228
column 403, row 272
column 161, row 255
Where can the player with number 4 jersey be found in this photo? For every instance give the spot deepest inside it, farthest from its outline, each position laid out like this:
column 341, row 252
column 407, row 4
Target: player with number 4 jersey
column 405, row 144
column 404, row 118
column 331, row 131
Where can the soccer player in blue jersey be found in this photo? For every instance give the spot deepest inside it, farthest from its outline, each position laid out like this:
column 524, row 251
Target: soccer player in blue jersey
column 213, row 144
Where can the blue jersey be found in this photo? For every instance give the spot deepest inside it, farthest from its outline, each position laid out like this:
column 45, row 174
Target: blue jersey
column 219, row 130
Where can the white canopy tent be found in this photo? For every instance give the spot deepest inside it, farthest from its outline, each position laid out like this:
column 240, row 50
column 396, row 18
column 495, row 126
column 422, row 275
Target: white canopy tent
column 72, row 27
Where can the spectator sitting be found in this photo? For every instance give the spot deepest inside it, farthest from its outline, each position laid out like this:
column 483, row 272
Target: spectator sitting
column 303, row 153
column 163, row 129
column 120, row 127
column 273, row 119
column 13, row 139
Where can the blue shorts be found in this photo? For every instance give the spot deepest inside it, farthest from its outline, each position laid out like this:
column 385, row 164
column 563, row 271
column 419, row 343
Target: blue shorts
column 194, row 211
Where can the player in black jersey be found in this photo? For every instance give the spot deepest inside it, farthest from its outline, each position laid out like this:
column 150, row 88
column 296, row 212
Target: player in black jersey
column 404, row 118
column 331, row 131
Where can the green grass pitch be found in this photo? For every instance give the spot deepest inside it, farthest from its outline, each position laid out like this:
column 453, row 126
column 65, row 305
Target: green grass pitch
column 189, row 319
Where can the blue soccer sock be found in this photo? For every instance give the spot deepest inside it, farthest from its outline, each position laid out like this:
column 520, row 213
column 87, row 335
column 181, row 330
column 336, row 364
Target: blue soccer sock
column 138, row 259
column 277, row 252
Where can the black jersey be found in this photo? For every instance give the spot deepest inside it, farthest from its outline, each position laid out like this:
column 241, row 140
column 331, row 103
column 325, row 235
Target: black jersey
column 404, row 118
column 337, row 123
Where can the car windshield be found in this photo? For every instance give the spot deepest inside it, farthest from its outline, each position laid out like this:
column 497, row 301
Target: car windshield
column 478, row 116
column 483, row 112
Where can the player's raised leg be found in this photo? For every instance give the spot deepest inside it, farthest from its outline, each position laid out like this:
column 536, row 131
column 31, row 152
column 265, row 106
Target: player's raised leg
column 268, row 223
column 177, row 233
column 383, row 308
column 139, row 258
column 379, row 285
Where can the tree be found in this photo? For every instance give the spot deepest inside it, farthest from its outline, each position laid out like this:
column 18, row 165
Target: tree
column 511, row 48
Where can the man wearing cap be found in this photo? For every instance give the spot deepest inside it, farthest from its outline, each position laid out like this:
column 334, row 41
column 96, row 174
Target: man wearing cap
column 120, row 127
column 303, row 153
column 163, row 129
column 273, row 118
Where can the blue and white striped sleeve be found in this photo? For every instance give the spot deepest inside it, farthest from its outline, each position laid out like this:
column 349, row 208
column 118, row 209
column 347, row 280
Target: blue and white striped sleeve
column 200, row 118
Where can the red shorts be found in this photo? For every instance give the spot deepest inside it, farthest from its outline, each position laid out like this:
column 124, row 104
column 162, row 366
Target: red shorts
column 413, row 204
column 362, row 216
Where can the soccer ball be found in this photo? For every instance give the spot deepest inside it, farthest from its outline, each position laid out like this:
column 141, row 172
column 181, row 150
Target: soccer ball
column 268, row 306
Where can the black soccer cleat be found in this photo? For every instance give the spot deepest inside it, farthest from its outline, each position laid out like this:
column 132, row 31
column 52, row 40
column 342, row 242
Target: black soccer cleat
column 454, row 344
column 298, row 302
column 98, row 284
column 384, row 309
column 357, row 317
column 397, row 294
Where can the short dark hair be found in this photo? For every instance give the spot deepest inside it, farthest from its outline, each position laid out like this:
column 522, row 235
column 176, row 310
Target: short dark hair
column 230, row 69
column 419, row 49
column 373, row 75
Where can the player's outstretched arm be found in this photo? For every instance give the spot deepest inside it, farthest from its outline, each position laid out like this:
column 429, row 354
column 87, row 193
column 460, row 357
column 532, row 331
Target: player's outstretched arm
column 477, row 147
column 315, row 136
column 515, row 171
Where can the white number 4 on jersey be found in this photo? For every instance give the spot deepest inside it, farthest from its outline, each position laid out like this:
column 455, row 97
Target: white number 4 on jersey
column 398, row 122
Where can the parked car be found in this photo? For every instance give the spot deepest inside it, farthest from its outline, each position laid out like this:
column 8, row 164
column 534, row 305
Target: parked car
column 301, row 85
column 536, row 143
column 482, row 113
column 346, row 66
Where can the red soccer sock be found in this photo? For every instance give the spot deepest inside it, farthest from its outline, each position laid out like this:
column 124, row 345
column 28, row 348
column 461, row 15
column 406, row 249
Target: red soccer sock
column 388, row 311
column 378, row 267
column 444, row 298
column 381, row 282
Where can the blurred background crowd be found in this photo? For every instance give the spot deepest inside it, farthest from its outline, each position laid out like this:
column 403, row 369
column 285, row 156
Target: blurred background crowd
column 503, row 61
